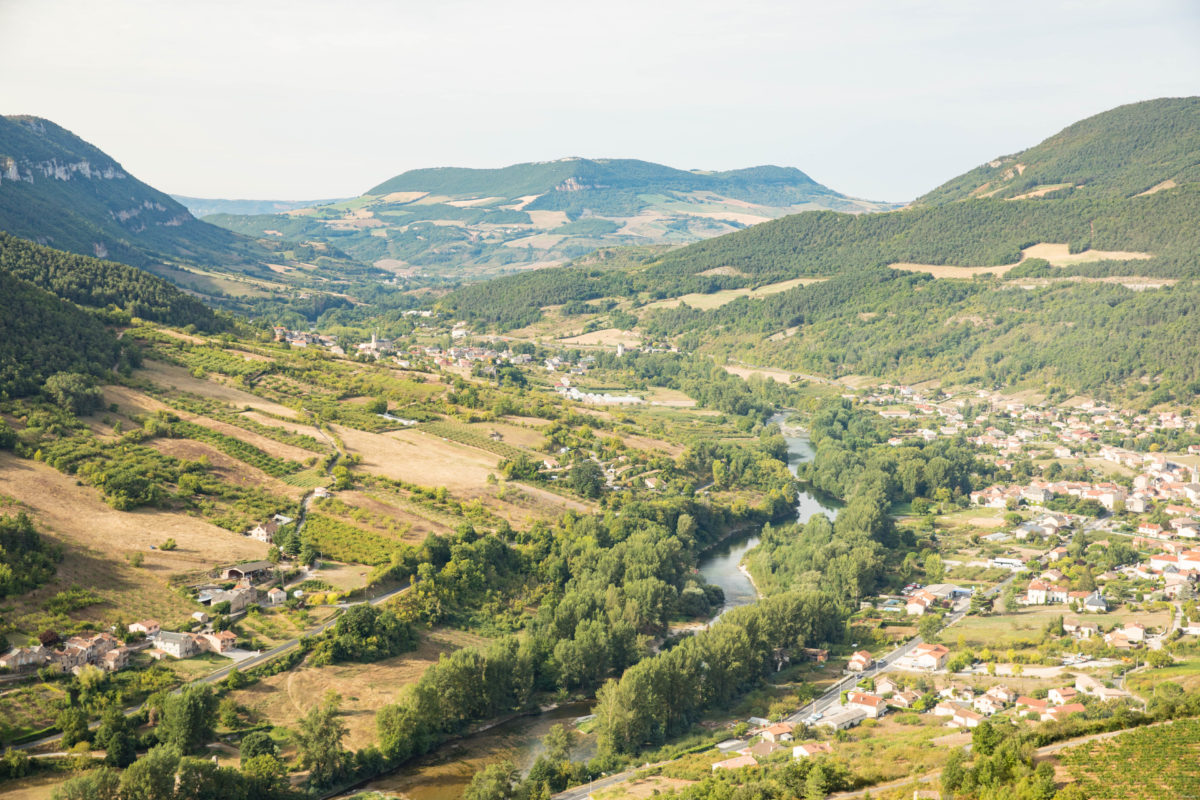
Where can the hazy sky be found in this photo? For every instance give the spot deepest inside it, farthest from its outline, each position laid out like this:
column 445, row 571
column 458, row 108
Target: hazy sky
column 293, row 99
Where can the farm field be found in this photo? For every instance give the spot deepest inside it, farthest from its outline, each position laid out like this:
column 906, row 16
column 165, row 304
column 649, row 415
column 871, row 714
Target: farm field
column 769, row 373
column 1145, row 764
column 228, row 469
column 420, row 458
column 608, row 337
column 97, row 538
column 1184, row 673
column 170, row 376
column 1028, row 624
column 1058, row 255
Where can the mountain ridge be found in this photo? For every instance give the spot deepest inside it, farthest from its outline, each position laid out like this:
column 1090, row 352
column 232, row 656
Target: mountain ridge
column 460, row 222
column 59, row 190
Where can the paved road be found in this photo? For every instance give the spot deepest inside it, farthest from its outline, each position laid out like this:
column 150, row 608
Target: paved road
column 832, row 696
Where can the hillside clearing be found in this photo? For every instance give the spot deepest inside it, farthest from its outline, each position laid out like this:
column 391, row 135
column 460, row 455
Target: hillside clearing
column 96, row 539
column 1059, row 255
column 608, row 337
column 419, row 458
column 707, row 302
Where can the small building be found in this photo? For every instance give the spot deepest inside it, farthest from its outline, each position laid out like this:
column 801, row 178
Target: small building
column 886, row 685
column 779, row 732
column 873, row 705
column 818, row 654
column 840, row 720
column 115, row 659
column 905, row 699
column 1062, row 696
column 966, row 718
column 737, row 762
column 860, row 661
column 150, row 627
column 249, row 569
column 930, row 656
column 24, row 658
column 276, row 596
column 1033, row 704
column 811, row 749
column 264, row 531
column 221, row 642
column 177, row 645
column 760, row 750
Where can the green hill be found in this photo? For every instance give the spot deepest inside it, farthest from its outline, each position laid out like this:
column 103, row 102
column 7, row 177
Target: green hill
column 974, row 300
column 58, row 190
column 470, row 223
column 1118, row 153
column 103, row 284
column 41, row 334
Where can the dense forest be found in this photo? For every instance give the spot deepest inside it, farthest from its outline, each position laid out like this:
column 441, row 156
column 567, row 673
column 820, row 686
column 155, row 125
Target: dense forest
column 41, row 335
column 1120, row 152
column 104, row 284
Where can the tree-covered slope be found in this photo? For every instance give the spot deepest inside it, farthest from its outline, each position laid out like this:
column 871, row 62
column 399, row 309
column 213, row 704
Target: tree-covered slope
column 1113, row 155
column 103, row 284
column 1118, row 153
column 41, row 334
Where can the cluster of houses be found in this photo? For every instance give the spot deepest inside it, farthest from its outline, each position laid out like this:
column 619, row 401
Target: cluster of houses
column 773, row 738
column 937, row 595
column 102, row 650
column 305, row 339
column 1175, row 566
column 1051, row 587
column 182, row 644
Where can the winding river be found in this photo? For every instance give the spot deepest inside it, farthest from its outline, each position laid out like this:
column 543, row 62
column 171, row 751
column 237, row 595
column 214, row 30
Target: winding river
column 444, row 774
column 722, row 564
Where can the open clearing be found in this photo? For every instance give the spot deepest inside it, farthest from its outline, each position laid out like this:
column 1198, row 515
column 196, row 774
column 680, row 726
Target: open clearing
column 131, row 399
column 1042, row 191
column 770, row 373
column 419, row 458
column 370, row 510
column 707, row 302
column 1161, row 187
column 660, row 396
column 1137, row 283
column 96, row 540
column 1059, row 255
column 364, row 688
column 608, row 337
column 641, row 788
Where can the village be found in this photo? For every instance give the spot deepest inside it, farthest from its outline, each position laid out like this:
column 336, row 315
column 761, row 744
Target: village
column 235, row 590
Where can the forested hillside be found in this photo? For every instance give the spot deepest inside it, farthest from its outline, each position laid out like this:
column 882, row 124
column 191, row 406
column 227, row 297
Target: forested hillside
column 1081, row 321
column 1119, row 153
column 57, row 189
column 41, row 335
column 103, row 284
column 1132, row 147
